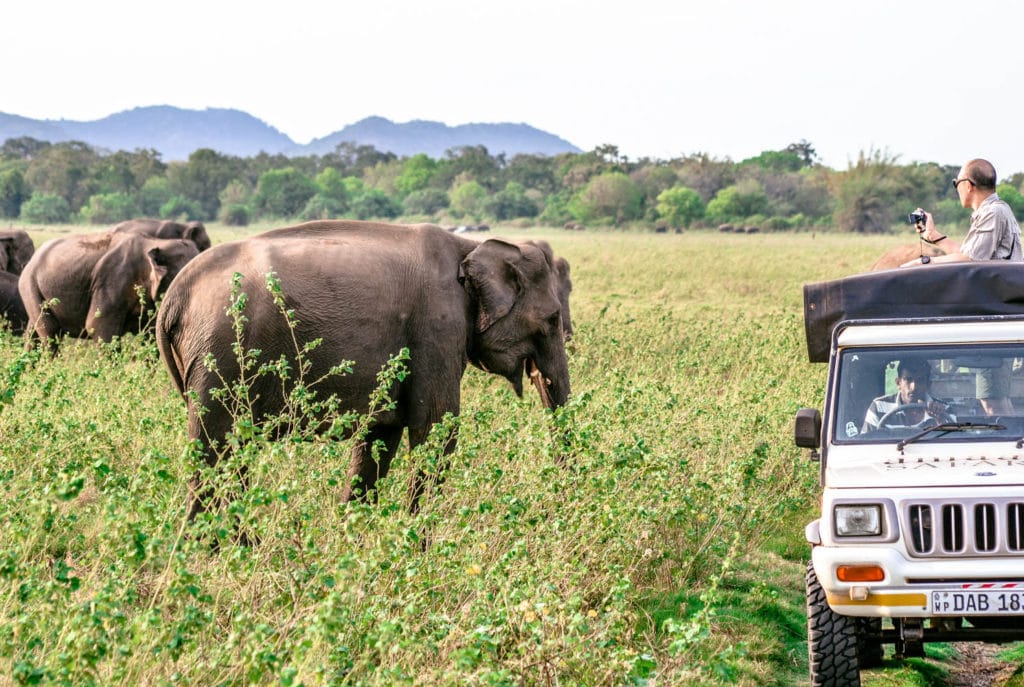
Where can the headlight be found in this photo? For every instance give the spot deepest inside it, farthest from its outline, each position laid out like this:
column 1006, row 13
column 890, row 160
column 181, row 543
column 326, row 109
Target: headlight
column 858, row 520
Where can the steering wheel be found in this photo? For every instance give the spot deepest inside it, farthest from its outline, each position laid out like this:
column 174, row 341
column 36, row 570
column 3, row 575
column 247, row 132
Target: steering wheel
column 887, row 420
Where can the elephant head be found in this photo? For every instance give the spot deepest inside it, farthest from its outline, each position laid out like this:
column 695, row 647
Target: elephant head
column 16, row 248
column 165, row 261
column 196, row 233
column 518, row 321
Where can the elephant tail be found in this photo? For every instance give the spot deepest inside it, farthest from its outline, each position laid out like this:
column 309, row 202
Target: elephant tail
column 167, row 329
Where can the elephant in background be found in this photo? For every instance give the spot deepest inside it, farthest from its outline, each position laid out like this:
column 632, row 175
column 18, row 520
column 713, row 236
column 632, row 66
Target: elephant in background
column 16, row 249
column 367, row 290
column 564, row 289
column 11, row 307
column 86, row 286
column 166, row 229
column 905, row 253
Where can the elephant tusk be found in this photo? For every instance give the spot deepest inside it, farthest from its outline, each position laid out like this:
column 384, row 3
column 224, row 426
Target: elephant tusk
column 540, row 382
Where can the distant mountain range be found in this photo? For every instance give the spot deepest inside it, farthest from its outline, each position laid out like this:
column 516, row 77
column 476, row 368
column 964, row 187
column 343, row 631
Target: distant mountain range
column 176, row 133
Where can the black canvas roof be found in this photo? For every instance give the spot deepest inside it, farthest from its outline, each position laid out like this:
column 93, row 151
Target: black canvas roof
column 954, row 290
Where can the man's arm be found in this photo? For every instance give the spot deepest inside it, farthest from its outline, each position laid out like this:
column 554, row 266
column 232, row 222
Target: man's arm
column 947, row 245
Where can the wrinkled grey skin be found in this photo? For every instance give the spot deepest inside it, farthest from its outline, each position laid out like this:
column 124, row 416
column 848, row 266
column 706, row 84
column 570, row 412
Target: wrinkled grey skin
column 11, row 307
column 563, row 286
column 367, row 290
column 564, row 289
column 94, row 279
column 16, row 249
column 166, row 229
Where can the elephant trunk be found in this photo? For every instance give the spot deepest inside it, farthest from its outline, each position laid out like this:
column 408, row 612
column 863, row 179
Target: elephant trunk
column 550, row 378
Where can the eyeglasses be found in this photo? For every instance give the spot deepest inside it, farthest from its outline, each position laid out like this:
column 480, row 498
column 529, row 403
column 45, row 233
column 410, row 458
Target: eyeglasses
column 956, row 182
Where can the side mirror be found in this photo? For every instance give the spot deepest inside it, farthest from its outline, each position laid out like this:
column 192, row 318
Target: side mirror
column 807, row 428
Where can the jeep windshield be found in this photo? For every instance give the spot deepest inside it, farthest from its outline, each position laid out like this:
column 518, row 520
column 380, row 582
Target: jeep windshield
column 966, row 392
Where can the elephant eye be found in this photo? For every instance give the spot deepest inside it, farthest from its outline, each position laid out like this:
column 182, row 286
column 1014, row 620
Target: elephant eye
column 554, row 321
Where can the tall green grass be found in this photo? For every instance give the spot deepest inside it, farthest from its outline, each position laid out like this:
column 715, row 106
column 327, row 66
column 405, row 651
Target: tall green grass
column 664, row 552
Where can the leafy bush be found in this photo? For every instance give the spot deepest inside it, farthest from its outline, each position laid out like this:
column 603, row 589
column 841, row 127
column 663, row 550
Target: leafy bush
column 611, row 197
column 45, row 208
column 375, row 204
column 283, row 192
column 509, row 203
column 13, row 192
column 467, row 199
column 235, row 215
column 1013, row 198
column 109, row 208
column 323, row 207
column 182, row 209
column 680, row 206
column 738, row 202
column 428, row 201
column 153, row 195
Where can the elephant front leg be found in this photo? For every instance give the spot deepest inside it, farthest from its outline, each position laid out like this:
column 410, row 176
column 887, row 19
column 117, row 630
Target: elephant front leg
column 371, row 460
column 422, row 477
column 104, row 322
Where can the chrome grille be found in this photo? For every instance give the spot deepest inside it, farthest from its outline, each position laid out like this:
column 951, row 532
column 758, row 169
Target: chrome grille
column 964, row 528
column 1015, row 526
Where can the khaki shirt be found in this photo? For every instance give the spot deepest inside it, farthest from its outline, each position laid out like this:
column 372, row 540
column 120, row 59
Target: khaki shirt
column 994, row 232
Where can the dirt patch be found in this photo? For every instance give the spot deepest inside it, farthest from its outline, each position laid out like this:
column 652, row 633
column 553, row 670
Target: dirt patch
column 977, row 666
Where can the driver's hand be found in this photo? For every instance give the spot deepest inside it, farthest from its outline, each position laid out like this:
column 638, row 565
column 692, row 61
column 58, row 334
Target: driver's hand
column 939, row 411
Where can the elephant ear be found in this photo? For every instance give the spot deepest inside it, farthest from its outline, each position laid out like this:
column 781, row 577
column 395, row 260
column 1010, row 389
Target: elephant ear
column 492, row 280
column 6, row 252
column 158, row 261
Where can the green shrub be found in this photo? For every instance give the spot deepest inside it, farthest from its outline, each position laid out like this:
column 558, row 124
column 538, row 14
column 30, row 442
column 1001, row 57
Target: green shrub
column 235, row 215
column 182, row 209
column 45, row 208
column 109, row 208
column 680, row 206
column 375, row 204
column 428, row 201
column 509, row 203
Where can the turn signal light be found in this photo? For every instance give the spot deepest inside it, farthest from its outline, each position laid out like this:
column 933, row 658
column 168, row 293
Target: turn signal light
column 860, row 573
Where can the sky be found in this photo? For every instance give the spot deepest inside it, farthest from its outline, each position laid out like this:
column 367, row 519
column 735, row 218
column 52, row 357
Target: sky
column 938, row 81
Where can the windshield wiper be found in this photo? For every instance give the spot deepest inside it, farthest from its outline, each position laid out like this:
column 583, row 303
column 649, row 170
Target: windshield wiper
column 946, row 428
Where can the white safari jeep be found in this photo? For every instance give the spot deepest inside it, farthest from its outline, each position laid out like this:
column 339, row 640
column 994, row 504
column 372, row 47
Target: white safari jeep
column 921, row 445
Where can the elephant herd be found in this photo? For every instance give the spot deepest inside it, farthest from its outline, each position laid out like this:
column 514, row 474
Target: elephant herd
column 98, row 284
column 365, row 291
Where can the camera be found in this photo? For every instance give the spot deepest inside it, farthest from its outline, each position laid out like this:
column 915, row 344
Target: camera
column 916, row 217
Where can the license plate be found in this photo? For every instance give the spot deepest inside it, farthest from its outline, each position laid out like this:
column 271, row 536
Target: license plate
column 978, row 602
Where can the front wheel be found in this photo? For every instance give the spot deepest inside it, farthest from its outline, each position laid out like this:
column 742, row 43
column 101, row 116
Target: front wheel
column 831, row 640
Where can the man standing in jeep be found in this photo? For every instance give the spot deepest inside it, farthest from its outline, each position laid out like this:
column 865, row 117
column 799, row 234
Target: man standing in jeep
column 994, row 232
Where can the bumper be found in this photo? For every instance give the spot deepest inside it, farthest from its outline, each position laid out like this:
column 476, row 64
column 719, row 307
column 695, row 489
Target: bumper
column 918, row 588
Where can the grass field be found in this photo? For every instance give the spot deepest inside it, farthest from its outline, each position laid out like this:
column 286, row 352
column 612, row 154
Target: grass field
column 669, row 551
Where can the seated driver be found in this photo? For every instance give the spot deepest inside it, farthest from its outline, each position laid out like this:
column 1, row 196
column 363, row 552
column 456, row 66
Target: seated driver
column 913, row 386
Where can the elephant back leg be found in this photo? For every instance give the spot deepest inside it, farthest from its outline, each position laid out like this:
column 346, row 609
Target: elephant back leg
column 371, row 460
column 208, row 431
column 46, row 328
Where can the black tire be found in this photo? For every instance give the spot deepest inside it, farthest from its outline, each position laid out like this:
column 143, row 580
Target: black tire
column 869, row 644
column 831, row 640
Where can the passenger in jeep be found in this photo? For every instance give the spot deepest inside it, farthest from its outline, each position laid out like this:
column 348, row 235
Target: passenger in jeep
column 912, row 405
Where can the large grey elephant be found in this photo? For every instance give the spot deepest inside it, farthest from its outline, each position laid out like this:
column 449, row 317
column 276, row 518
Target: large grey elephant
column 367, row 290
column 11, row 307
column 16, row 249
column 166, row 229
column 89, row 285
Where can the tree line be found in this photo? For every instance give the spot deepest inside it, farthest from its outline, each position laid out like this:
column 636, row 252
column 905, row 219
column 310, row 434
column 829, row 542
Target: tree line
column 51, row 183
